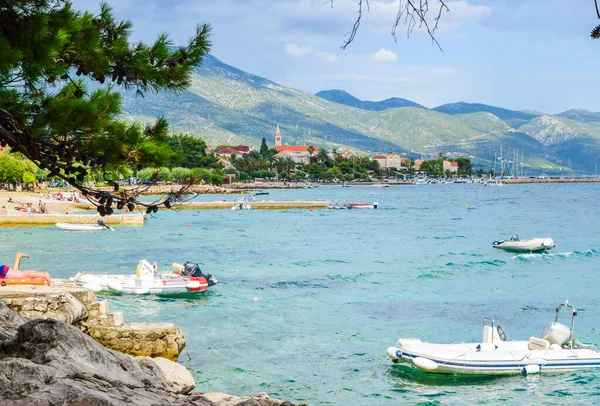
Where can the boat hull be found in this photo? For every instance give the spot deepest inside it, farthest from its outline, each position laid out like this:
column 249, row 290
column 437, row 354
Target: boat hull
column 130, row 284
column 533, row 245
column 362, row 205
column 80, row 227
column 505, row 358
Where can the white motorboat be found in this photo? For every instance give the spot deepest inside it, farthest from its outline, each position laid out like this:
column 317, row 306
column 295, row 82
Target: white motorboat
column 84, row 227
column 187, row 278
column 493, row 182
column 362, row 205
column 421, row 179
column 556, row 351
column 532, row 245
column 241, row 204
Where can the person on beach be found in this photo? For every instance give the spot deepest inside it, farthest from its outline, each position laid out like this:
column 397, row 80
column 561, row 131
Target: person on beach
column 3, row 212
column 6, row 272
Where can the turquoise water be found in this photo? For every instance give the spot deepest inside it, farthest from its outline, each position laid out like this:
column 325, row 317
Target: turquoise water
column 334, row 289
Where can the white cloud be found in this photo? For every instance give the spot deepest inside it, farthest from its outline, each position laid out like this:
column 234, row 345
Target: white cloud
column 461, row 12
column 298, row 51
column 385, row 56
column 328, row 58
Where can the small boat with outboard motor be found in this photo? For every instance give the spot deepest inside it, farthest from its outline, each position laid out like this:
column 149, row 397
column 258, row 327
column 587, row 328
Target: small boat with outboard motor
column 101, row 225
column 241, row 204
column 518, row 245
column 363, row 205
column 186, row 278
column 556, row 350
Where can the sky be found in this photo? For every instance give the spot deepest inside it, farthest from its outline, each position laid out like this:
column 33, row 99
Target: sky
column 517, row 54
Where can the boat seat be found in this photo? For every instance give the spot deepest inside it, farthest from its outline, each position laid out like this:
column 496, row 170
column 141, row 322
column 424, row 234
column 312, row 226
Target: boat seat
column 538, row 344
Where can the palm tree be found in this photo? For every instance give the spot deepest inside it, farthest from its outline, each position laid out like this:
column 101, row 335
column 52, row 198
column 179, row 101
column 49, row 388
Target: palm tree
column 289, row 163
column 310, row 150
column 322, row 156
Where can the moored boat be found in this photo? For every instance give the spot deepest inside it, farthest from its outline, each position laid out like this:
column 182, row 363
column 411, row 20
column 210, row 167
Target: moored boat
column 363, row 205
column 241, row 204
column 84, row 227
column 556, row 351
column 338, row 206
column 532, row 245
column 187, row 278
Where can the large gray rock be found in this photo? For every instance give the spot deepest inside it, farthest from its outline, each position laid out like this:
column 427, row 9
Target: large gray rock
column 48, row 362
column 175, row 375
column 9, row 322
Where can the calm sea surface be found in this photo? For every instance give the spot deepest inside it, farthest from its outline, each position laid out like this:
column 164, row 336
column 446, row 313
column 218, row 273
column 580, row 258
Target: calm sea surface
column 308, row 302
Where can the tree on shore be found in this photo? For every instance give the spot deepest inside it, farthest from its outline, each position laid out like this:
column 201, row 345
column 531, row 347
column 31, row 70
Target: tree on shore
column 48, row 52
column 264, row 149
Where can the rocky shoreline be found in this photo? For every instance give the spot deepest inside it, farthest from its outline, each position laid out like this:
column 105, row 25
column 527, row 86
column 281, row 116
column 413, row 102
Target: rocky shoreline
column 52, row 353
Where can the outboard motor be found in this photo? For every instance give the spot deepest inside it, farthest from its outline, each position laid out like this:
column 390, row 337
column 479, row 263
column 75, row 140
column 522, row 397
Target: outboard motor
column 191, row 269
column 557, row 333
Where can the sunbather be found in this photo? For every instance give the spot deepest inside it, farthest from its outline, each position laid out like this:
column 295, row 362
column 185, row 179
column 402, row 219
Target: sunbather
column 6, row 272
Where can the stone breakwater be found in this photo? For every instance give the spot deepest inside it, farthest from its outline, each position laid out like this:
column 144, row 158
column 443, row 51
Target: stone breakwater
column 80, row 307
column 48, row 356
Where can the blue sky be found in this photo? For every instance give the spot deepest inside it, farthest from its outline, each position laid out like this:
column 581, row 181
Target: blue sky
column 534, row 55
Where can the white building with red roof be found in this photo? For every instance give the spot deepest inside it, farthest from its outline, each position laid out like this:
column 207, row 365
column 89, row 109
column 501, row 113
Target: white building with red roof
column 300, row 154
column 450, row 166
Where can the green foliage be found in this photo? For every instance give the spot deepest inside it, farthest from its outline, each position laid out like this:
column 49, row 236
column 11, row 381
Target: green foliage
column 283, row 175
column 181, row 174
column 28, row 178
column 165, row 173
column 190, row 152
column 12, row 168
column 264, row 149
column 48, row 51
column 146, row 174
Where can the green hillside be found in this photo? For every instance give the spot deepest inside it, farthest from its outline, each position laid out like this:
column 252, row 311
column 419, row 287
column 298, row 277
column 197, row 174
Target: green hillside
column 225, row 105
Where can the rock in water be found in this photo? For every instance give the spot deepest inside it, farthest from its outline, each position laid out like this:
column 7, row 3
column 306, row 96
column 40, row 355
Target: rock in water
column 48, row 362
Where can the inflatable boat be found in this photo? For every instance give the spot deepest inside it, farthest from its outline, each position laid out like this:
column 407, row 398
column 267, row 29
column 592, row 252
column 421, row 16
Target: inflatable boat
column 187, row 278
column 533, row 245
column 557, row 350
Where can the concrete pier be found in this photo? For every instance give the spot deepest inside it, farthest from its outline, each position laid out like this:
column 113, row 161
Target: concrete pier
column 13, row 220
column 263, row 205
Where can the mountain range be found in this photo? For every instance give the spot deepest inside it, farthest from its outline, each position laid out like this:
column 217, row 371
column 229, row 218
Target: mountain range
column 225, row 105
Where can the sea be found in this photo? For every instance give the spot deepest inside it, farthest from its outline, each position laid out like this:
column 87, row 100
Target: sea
column 308, row 301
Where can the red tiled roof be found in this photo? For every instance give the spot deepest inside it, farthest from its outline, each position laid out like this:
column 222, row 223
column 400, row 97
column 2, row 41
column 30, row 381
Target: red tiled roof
column 227, row 150
column 242, row 148
column 379, row 157
column 454, row 164
column 294, row 148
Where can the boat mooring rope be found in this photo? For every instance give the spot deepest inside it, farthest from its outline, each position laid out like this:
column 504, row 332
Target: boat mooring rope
column 378, row 368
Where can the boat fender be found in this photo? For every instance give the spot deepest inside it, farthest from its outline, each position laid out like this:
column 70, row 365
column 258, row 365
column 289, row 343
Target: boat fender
column 531, row 369
column 394, row 353
column 177, row 267
column 486, row 347
column 425, row 364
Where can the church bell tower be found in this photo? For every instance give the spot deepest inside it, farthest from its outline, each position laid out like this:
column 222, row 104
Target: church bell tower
column 277, row 137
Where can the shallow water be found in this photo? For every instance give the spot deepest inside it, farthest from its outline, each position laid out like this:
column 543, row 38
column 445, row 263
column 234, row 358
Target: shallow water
column 334, row 289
